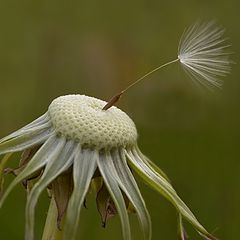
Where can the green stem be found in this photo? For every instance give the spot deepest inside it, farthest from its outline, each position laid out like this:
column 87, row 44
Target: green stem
column 51, row 231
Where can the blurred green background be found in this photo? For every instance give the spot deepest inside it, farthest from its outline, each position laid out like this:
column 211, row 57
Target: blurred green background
column 52, row 48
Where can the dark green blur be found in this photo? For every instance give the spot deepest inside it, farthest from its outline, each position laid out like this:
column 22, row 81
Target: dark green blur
column 52, row 48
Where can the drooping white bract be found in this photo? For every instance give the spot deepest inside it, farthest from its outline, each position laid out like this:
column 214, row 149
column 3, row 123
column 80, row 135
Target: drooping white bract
column 202, row 53
column 75, row 143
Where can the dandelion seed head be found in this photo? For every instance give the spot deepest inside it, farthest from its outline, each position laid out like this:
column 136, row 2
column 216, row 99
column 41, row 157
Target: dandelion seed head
column 81, row 118
column 203, row 54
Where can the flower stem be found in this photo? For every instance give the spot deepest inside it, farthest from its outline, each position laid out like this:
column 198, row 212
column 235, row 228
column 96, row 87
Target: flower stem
column 51, row 231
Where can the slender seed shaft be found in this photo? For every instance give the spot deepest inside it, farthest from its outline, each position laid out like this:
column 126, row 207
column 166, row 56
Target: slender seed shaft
column 117, row 96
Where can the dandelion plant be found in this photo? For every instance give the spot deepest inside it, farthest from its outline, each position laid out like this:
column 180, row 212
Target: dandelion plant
column 82, row 143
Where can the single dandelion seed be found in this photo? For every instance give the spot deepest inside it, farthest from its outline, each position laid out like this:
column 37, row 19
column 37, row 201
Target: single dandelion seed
column 203, row 55
column 75, row 147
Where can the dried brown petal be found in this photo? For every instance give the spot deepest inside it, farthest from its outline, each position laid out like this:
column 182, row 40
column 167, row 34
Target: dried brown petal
column 27, row 155
column 31, row 178
column 96, row 184
column 62, row 188
column 105, row 205
column 25, row 158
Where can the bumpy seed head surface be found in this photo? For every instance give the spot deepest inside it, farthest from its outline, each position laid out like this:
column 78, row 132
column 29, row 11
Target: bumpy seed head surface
column 81, row 118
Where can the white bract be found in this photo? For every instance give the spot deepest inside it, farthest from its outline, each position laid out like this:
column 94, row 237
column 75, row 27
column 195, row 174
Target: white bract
column 76, row 144
column 202, row 52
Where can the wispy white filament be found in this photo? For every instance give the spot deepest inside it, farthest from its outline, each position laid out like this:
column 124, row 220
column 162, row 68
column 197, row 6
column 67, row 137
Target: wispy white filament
column 202, row 53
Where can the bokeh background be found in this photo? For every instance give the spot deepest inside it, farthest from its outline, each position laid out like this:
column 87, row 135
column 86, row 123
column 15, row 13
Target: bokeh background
column 52, row 48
